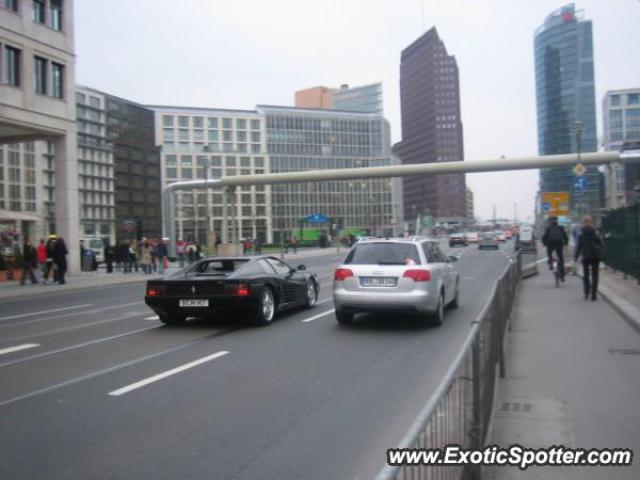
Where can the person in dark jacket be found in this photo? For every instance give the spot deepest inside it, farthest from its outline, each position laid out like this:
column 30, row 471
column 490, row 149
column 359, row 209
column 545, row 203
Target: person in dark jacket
column 50, row 265
column 109, row 254
column 29, row 263
column 590, row 248
column 60, row 258
column 555, row 238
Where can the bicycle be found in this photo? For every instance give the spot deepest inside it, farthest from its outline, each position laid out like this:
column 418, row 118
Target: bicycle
column 555, row 270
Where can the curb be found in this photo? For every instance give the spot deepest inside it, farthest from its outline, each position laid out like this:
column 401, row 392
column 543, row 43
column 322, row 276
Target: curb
column 625, row 309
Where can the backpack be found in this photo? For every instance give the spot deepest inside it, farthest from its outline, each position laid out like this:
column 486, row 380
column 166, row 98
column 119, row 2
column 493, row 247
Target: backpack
column 597, row 251
column 555, row 234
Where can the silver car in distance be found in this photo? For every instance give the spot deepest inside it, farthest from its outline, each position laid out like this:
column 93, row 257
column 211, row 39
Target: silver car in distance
column 401, row 275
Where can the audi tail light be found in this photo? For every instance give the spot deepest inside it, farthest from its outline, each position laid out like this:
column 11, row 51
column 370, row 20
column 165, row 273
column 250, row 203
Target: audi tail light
column 342, row 274
column 418, row 275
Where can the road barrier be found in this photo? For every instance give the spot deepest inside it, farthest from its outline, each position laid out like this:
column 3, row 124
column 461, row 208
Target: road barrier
column 460, row 410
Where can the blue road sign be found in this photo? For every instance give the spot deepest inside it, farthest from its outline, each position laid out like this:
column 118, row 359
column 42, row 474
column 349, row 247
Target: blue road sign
column 316, row 218
column 546, row 206
column 580, row 183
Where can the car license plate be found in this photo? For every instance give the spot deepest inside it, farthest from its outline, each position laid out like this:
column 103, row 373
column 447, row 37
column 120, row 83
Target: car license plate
column 194, row 303
column 378, row 281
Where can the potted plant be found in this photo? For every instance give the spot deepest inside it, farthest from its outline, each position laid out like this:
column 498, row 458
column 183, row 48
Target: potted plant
column 4, row 275
column 17, row 264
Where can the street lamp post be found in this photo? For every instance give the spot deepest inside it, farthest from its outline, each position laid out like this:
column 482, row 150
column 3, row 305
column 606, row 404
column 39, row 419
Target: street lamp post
column 578, row 129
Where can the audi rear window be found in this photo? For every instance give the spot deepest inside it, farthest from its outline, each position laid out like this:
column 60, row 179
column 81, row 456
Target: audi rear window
column 383, row 254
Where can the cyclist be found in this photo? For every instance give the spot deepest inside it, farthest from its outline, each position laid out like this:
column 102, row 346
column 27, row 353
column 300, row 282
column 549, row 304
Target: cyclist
column 555, row 238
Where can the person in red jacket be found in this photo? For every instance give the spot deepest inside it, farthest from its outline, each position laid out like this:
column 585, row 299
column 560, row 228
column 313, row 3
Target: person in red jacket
column 41, row 254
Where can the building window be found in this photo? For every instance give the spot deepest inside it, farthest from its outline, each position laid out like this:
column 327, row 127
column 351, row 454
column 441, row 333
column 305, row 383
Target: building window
column 40, row 75
column 167, row 120
column 39, row 11
column 58, row 80
column 12, row 66
column 226, row 123
column 198, row 122
column 183, row 122
column 241, row 124
column 633, row 99
column 615, row 100
column 10, row 4
column 255, row 124
column 56, row 14
column 213, row 122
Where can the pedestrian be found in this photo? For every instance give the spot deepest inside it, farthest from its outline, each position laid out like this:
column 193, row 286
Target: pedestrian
column 591, row 249
column 29, row 263
column 60, row 259
column 133, row 258
column 50, row 265
column 145, row 256
column 191, row 253
column 161, row 255
column 198, row 252
column 41, row 253
column 294, row 244
column 181, row 251
column 109, row 255
column 218, row 243
column 257, row 246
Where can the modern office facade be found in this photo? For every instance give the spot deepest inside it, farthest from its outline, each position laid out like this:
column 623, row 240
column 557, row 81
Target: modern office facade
column 37, row 102
column 621, row 112
column 203, row 143
column 137, row 168
column 565, row 103
column 431, row 130
column 364, row 99
column 300, row 139
column 96, row 189
column 367, row 98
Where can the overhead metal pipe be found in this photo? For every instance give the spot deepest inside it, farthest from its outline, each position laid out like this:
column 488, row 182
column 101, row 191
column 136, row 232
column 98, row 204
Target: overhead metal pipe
column 439, row 168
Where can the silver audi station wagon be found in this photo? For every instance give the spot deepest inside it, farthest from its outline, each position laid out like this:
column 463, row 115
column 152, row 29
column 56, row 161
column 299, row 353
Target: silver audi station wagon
column 409, row 275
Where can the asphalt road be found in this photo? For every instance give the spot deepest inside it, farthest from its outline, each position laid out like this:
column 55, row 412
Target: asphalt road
column 94, row 387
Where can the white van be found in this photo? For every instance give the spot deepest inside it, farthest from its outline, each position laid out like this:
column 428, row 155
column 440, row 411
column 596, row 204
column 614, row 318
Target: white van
column 526, row 240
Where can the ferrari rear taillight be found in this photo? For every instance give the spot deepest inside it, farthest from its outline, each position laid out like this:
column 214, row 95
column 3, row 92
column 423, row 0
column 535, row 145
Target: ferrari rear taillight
column 418, row 275
column 155, row 290
column 342, row 274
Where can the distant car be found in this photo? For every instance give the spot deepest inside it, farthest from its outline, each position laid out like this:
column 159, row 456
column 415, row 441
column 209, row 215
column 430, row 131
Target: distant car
column 257, row 286
column 508, row 235
column 488, row 240
column 457, row 240
column 396, row 275
column 500, row 236
column 472, row 237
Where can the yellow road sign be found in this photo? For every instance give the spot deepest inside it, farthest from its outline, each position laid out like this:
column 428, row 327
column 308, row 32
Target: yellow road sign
column 555, row 204
column 579, row 169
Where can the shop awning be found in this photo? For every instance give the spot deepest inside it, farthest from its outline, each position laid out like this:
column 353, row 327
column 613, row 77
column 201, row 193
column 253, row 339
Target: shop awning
column 7, row 216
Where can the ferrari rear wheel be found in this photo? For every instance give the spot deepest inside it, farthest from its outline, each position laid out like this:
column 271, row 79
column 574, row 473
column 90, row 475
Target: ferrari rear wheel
column 266, row 307
column 172, row 319
column 312, row 294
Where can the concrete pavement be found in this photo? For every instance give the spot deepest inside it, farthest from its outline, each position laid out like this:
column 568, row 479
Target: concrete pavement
column 572, row 379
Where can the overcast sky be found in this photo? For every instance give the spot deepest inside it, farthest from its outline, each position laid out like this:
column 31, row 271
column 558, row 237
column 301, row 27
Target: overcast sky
column 240, row 53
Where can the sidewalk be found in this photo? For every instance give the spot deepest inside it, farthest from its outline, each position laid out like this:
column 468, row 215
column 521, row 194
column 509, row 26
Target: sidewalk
column 572, row 371
column 101, row 278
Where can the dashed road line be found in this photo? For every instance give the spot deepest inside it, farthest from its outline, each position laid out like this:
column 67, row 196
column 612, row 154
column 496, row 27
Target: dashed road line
column 320, row 315
column 19, row 348
column 168, row 373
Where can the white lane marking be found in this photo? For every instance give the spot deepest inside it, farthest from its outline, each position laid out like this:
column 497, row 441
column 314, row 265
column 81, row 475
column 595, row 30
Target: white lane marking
column 79, row 345
column 46, row 311
column 18, row 348
column 156, row 317
column 324, row 301
column 320, row 315
column 168, row 373
column 67, row 315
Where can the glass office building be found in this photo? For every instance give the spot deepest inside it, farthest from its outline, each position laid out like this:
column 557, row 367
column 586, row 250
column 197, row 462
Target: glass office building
column 565, row 102
column 367, row 98
column 300, row 139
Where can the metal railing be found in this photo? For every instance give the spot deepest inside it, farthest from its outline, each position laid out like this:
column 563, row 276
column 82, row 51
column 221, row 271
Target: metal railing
column 621, row 234
column 460, row 410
